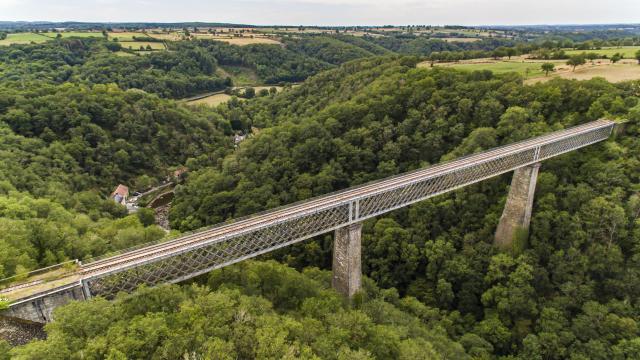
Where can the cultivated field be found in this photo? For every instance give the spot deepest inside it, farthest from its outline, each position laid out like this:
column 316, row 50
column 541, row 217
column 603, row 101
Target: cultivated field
column 297, row 30
column 527, row 68
column 611, row 72
column 27, row 38
column 23, row 38
column 213, row 100
column 467, row 32
column 459, row 39
column 217, row 99
column 124, row 53
column 248, row 41
column 629, row 52
column 532, row 72
column 451, row 33
column 237, row 40
column 124, row 36
column 173, row 36
column 67, row 34
column 135, row 45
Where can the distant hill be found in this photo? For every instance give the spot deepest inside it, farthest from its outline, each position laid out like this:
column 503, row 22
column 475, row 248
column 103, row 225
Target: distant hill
column 41, row 25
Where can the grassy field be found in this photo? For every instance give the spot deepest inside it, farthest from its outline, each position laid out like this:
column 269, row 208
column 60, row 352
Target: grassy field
column 240, row 75
column 135, row 45
column 248, row 41
column 124, row 36
column 532, row 72
column 83, row 34
column 23, row 38
column 213, row 100
column 455, row 39
column 629, row 52
column 173, row 36
column 124, row 53
column 27, row 38
column 526, row 69
column 611, row 72
column 217, row 99
column 240, row 41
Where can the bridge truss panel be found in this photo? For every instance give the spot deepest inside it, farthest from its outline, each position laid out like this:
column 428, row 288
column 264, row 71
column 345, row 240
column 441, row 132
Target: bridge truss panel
column 175, row 267
column 281, row 227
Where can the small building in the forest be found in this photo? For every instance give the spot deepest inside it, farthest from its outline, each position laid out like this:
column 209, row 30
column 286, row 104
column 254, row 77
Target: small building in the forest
column 237, row 139
column 120, row 194
column 179, row 173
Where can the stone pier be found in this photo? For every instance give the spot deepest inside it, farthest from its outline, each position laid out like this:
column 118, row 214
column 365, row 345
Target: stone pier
column 516, row 215
column 347, row 266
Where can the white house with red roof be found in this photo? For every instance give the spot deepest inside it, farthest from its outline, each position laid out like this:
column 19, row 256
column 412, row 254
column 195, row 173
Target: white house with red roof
column 120, row 194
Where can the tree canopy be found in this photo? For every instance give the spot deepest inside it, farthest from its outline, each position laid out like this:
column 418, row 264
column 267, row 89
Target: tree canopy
column 435, row 285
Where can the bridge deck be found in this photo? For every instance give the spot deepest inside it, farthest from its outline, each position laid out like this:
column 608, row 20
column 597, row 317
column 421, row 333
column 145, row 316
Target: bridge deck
column 221, row 245
column 224, row 244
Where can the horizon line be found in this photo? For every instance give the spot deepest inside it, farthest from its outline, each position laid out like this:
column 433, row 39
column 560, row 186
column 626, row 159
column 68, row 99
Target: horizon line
column 310, row 25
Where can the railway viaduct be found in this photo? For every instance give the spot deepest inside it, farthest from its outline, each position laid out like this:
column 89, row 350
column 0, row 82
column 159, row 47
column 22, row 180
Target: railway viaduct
column 342, row 212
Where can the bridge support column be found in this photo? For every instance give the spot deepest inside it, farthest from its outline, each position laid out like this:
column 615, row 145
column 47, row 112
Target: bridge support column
column 516, row 215
column 347, row 265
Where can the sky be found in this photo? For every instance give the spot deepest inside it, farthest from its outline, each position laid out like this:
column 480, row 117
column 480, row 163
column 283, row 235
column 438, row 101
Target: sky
column 328, row 12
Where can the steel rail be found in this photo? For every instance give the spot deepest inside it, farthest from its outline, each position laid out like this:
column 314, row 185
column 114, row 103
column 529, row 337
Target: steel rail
column 331, row 198
column 350, row 197
column 334, row 198
column 314, row 203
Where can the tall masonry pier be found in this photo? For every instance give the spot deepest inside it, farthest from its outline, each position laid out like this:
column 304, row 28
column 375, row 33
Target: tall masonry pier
column 341, row 212
column 347, row 263
column 516, row 215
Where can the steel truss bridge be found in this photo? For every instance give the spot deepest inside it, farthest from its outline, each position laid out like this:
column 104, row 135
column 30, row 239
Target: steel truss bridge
column 221, row 245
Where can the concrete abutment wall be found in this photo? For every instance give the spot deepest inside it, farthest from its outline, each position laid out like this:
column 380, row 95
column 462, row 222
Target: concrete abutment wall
column 40, row 309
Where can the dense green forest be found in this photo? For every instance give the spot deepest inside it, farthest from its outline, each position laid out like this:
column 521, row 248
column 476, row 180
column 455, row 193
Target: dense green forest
column 94, row 61
column 436, row 287
column 190, row 67
column 570, row 292
column 272, row 63
column 253, row 310
column 65, row 147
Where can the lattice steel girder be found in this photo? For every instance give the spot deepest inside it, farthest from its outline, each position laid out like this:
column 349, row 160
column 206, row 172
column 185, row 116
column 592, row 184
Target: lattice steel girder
column 198, row 253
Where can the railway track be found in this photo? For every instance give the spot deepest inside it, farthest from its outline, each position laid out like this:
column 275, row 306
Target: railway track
column 221, row 232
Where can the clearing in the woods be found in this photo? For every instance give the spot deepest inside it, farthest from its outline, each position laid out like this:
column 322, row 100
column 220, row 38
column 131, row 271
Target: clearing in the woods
column 531, row 69
column 135, row 45
column 241, row 75
column 212, row 100
column 239, row 40
column 23, row 38
column 611, row 72
column 628, row 52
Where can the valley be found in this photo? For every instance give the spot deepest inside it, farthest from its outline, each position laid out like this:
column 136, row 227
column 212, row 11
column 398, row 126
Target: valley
column 220, row 191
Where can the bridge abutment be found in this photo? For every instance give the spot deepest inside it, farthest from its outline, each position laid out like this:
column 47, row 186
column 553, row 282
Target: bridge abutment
column 347, row 263
column 516, row 215
column 39, row 309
